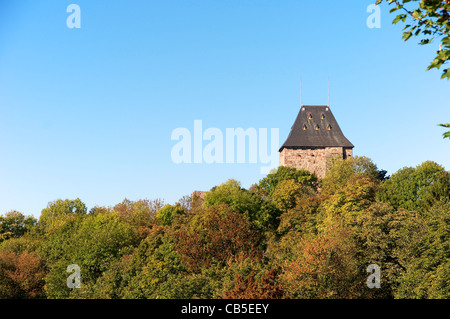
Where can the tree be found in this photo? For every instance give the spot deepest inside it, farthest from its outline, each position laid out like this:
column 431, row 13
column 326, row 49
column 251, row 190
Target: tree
column 167, row 214
column 58, row 208
column 423, row 252
column 283, row 240
column 140, row 214
column 288, row 193
column 323, row 267
column 115, row 280
column 149, row 272
column 342, row 171
column 264, row 287
column 14, row 224
column 215, row 236
column 349, row 203
column 21, row 275
column 417, row 188
column 303, row 217
column 267, row 185
column 261, row 212
column 93, row 242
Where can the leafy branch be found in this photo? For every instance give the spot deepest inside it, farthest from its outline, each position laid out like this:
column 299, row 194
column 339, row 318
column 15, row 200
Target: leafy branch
column 429, row 19
column 446, row 134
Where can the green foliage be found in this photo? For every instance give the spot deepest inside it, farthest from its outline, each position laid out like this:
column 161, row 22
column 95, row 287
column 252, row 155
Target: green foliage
column 288, row 193
column 14, row 224
column 342, row 171
column 417, row 188
column 350, row 201
column 283, row 173
column 284, row 238
column 154, row 265
column 303, row 217
column 140, row 214
column 428, row 20
column 167, row 214
column 92, row 242
column 260, row 212
column 446, row 134
column 232, row 194
column 423, row 251
column 51, row 213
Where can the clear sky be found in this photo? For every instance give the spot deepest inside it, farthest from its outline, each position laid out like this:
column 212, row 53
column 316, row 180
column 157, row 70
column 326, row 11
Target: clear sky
column 89, row 112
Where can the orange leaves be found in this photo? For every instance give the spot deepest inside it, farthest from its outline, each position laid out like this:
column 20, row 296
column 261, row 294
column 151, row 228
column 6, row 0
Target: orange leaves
column 266, row 287
column 323, row 267
column 21, row 276
column 215, row 236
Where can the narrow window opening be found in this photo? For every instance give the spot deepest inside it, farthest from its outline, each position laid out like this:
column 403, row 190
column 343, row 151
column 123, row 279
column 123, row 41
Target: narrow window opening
column 304, row 127
column 310, row 116
column 317, row 127
column 322, row 116
column 329, row 128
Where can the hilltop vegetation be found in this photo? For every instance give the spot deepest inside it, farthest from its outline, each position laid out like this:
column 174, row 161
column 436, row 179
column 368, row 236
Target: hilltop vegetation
column 289, row 236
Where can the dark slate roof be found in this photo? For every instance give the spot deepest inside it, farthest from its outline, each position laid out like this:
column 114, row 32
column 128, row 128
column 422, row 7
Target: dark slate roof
column 304, row 133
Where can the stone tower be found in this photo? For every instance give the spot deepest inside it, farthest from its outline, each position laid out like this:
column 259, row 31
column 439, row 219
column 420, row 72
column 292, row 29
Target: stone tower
column 315, row 139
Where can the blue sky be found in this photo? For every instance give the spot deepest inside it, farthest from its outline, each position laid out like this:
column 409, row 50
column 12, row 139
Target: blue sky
column 89, row 112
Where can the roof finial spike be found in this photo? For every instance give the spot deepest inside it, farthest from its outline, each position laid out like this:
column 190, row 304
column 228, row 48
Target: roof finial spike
column 301, row 93
column 328, row 91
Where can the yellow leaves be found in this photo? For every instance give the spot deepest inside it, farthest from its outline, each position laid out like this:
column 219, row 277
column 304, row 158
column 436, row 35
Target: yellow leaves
column 322, row 267
column 288, row 192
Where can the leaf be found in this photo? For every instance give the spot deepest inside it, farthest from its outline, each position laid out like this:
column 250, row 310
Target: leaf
column 407, row 35
column 446, row 74
column 446, row 134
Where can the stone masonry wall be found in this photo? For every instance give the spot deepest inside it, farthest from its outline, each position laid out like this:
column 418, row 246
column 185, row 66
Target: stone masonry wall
column 348, row 152
column 314, row 160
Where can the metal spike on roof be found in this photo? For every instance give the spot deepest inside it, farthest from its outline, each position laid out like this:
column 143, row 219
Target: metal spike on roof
column 328, row 91
column 301, row 93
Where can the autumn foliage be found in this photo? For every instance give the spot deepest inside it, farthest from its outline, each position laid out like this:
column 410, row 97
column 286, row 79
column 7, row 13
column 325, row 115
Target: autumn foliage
column 21, row 276
column 216, row 236
column 289, row 235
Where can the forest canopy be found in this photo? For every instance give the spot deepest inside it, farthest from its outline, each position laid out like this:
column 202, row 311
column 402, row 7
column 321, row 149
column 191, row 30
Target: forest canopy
column 290, row 235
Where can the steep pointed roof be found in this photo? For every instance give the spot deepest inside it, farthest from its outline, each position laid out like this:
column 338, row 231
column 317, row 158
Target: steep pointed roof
column 315, row 126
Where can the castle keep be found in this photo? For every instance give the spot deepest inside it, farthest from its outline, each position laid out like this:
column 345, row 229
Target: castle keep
column 315, row 139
